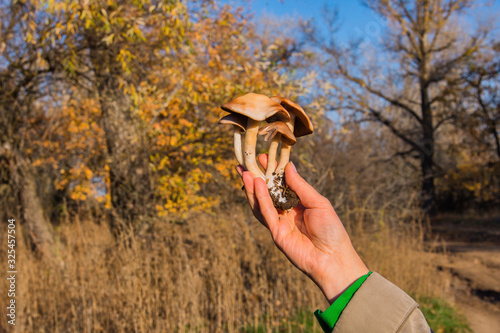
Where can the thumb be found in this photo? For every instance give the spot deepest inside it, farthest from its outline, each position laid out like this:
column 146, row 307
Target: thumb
column 308, row 196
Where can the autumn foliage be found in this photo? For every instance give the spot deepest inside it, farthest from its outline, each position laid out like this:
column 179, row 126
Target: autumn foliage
column 109, row 111
column 121, row 99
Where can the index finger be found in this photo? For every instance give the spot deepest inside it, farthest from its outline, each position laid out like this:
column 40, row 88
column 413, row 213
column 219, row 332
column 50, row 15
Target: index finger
column 308, row 196
column 269, row 213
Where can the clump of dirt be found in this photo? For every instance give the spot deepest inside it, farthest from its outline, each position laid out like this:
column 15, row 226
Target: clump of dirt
column 281, row 190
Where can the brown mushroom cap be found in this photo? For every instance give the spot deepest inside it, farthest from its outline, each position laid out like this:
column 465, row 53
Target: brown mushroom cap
column 270, row 130
column 303, row 125
column 258, row 107
column 236, row 120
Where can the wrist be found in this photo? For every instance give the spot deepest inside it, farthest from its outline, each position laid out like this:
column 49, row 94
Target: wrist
column 340, row 274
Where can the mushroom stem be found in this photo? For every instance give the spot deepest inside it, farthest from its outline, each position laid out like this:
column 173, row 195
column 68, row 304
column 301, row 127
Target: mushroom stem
column 271, row 161
column 285, row 148
column 249, row 149
column 284, row 157
column 237, row 145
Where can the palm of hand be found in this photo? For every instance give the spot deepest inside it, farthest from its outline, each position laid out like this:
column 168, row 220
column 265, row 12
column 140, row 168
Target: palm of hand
column 307, row 236
column 311, row 235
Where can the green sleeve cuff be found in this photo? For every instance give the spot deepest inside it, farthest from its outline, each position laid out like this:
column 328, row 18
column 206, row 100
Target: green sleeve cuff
column 329, row 318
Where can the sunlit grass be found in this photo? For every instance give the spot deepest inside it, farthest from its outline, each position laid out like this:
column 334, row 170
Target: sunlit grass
column 442, row 316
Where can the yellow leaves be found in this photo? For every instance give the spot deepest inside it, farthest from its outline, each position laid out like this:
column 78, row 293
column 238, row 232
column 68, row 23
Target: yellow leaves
column 124, row 57
column 32, row 25
column 88, row 173
column 62, row 184
column 134, row 33
column 30, row 38
column 164, row 162
column 78, row 180
column 37, row 162
column 108, row 39
column 79, row 193
column 58, row 28
column 473, row 187
column 56, row 6
column 475, row 178
column 172, row 75
column 226, row 168
column 179, row 195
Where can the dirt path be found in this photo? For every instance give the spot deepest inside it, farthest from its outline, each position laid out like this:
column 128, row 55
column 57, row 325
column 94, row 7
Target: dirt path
column 473, row 248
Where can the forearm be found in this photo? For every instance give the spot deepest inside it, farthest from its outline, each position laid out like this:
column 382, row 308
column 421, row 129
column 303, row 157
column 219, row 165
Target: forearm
column 377, row 306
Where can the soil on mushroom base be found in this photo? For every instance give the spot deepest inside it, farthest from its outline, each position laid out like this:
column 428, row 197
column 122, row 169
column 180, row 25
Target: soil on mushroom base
column 292, row 200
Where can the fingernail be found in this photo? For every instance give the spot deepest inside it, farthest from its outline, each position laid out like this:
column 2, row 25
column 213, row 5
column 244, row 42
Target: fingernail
column 293, row 165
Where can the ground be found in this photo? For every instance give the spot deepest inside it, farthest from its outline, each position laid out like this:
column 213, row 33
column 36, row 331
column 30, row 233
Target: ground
column 472, row 246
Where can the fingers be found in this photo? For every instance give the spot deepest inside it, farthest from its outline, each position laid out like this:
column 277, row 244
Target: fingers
column 240, row 169
column 247, row 178
column 263, row 160
column 258, row 197
column 308, row 196
column 249, row 188
column 248, row 181
column 269, row 213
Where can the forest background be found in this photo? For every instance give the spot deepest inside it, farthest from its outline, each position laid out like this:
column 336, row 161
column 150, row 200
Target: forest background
column 129, row 212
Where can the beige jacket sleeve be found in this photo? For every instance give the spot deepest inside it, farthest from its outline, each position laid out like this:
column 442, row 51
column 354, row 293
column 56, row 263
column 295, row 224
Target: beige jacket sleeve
column 380, row 306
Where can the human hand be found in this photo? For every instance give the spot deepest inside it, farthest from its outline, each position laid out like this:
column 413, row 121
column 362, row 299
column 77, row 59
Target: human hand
column 311, row 235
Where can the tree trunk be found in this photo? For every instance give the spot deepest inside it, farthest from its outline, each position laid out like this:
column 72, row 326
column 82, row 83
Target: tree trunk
column 128, row 161
column 39, row 228
column 427, row 151
column 131, row 189
column 428, row 190
column 24, row 185
column 494, row 132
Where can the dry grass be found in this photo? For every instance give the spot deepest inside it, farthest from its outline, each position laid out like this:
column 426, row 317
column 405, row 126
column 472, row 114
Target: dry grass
column 210, row 274
column 391, row 242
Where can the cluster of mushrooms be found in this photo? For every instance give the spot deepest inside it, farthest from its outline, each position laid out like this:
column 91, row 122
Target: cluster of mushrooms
column 282, row 122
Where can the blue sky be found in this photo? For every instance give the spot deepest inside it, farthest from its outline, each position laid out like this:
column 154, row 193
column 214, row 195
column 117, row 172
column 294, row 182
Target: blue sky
column 356, row 19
